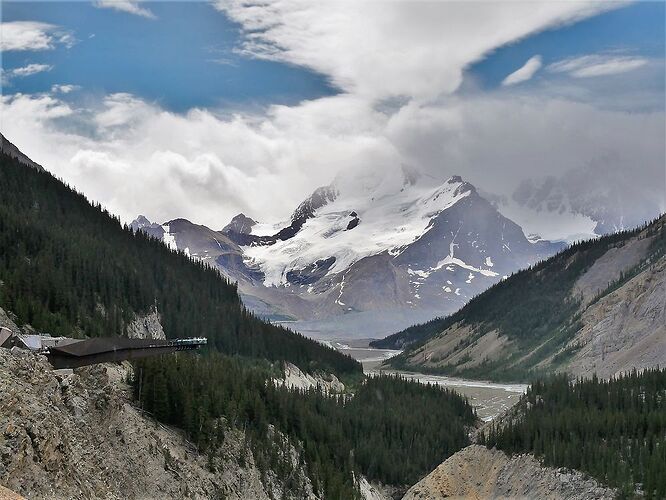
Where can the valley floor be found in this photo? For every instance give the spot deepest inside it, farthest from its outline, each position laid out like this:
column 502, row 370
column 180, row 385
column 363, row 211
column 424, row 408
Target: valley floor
column 488, row 398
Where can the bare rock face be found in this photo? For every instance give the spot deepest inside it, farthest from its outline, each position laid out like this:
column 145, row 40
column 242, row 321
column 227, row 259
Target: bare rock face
column 79, row 436
column 476, row 472
column 148, row 326
column 6, row 494
column 7, row 322
column 295, row 379
column 625, row 329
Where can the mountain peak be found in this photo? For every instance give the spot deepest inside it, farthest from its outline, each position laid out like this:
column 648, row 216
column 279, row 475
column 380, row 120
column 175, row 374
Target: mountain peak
column 241, row 224
column 140, row 221
column 320, row 197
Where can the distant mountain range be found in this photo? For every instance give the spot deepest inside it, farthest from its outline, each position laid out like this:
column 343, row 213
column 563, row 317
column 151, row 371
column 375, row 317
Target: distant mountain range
column 366, row 255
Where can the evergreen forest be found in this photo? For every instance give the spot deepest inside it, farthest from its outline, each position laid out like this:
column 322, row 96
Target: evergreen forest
column 392, row 430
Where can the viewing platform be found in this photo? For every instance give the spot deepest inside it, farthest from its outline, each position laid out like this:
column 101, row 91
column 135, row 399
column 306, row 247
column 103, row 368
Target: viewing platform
column 63, row 352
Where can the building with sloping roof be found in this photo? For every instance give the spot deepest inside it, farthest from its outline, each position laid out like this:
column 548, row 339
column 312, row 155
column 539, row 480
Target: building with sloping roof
column 116, row 349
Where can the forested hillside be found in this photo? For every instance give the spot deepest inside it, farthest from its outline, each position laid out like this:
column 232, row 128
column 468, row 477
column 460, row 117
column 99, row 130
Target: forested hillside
column 70, row 268
column 392, row 430
column 528, row 322
column 614, row 430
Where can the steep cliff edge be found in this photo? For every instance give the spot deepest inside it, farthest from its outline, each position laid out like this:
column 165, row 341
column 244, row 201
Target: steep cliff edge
column 79, row 436
column 624, row 329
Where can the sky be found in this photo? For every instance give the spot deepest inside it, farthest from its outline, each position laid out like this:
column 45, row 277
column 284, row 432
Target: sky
column 203, row 110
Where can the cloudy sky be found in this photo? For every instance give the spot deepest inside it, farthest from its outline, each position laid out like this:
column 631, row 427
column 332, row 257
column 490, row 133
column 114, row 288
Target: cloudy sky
column 205, row 109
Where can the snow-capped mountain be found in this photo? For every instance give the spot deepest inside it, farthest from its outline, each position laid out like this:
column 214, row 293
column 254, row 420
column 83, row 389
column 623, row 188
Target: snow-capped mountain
column 366, row 254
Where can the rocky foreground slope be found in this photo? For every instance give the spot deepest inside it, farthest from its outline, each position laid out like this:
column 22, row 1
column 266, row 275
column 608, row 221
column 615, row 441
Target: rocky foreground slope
column 479, row 473
column 79, row 436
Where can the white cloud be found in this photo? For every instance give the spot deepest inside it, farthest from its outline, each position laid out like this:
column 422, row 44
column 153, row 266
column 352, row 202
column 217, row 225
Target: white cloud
column 32, row 35
column 135, row 157
column 597, row 65
column 386, row 49
column 130, row 6
column 64, row 88
column 525, row 72
column 30, row 69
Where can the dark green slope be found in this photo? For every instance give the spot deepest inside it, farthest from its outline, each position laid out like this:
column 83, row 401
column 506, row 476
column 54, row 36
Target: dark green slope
column 70, row 268
column 392, row 430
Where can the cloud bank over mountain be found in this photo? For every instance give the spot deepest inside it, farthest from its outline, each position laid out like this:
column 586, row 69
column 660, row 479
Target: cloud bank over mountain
column 399, row 69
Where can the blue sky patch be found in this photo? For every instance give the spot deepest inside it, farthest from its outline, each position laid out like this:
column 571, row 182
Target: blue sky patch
column 185, row 58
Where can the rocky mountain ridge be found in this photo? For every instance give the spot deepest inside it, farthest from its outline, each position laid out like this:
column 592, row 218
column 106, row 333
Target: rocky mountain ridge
column 10, row 149
column 387, row 246
column 478, row 473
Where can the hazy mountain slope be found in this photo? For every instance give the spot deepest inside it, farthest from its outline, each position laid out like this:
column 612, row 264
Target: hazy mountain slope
column 71, row 269
column 609, row 199
column 598, row 306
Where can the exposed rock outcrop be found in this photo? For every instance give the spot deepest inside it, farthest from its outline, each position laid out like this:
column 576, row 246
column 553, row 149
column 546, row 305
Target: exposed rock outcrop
column 8, row 322
column 476, row 472
column 372, row 492
column 79, row 436
column 148, row 326
column 294, row 378
column 6, row 494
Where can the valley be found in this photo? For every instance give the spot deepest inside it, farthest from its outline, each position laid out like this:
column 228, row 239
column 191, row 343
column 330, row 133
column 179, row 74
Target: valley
column 262, row 391
column 488, row 399
column 339, row 250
